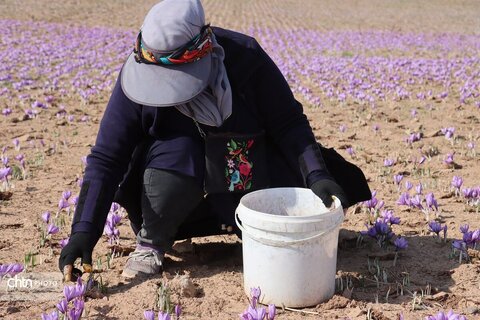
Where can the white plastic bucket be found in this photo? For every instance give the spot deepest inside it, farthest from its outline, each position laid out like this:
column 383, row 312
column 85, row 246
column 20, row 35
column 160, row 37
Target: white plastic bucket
column 289, row 241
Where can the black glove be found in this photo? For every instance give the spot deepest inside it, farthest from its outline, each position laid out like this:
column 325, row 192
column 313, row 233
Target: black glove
column 326, row 188
column 80, row 245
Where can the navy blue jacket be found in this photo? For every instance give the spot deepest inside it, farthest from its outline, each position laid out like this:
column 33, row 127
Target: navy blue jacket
column 262, row 100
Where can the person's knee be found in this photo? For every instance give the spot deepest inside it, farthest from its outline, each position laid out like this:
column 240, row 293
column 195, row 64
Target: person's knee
column 169, row 190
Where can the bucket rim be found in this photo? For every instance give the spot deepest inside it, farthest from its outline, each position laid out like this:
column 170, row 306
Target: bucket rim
column 333, row 211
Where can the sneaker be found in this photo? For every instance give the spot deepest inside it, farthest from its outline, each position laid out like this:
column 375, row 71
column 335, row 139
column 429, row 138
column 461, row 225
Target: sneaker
column 143, row 262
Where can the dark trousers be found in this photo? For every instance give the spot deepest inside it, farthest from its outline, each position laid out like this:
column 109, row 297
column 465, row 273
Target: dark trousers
column 168, row 199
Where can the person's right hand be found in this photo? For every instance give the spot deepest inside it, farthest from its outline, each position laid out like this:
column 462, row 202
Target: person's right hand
column 81, row 246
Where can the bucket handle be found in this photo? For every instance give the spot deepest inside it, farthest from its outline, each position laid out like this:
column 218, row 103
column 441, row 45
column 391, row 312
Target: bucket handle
column 281, row 243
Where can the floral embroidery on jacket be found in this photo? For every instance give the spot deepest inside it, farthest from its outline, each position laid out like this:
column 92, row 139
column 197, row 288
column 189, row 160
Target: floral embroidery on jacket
column 238, row 171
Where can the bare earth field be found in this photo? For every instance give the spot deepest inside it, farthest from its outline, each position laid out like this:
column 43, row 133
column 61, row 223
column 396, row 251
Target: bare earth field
column 394, row 86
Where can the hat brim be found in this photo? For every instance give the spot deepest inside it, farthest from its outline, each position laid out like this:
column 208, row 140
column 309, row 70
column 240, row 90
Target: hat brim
column 164, row 86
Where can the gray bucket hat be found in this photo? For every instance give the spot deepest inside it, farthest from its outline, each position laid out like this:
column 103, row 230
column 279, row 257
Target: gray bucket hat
column 169, row 25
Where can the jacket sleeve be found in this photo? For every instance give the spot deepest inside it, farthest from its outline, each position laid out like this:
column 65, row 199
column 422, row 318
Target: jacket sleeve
column 120, row 131
column 284, row 119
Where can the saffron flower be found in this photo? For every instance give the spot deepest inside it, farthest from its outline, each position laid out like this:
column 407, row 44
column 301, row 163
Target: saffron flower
column 456, row 184
column 350, row 151
column 388, row 162
column 436, row 228
column 178, row 311
column 419, row 188
column 408, row 185
column 52, row 229
column 66, row 194
column 449, row 159
column 163, row 316
column 449, row 316
column 397, row 179
column 46, row 216
column 51, row 316
column 448, row 132
column 149, row 315
column 414, row 137
column 404, row 199
column 272, row 310
column 62, row 306
column 255, row 294
column 431, row 201
column 10, row 269
column 63, row 204
column 63, row 242
column 400, row 243
column 5, row 172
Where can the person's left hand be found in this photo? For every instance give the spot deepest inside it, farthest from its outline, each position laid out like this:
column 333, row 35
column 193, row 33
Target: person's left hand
column 326, row 188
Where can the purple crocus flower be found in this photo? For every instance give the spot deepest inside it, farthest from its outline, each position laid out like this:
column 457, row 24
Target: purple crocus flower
column 80, row 287
column 114, row 207
column 11, row 269
column 397, row 179
column 408, row 185
column 63, row 242
column 404, row 199
column 272, row 311
column 52, row 229
column 459, row 245
column 72, row 292
column 5, row 172
column 6, row 111
column 254, row 313
column 163, row 316
column 51, row 316
column 46, row 216
column 255, row 294
column 114, row 218
column 449, row 159
column 63, row 204
column 178, row 311
column 464, row 228
column 73, row 200
column 414, row 137
column 16, row 143
column 388, row 162
column 416, row 202
column 435, row 227
column 448, row 132
column 3, row 270
column 400, row 243
column 66, row 194
column 69, row 292
column 431, row 201
column 457, row 182
column 79, row 304
column 449, row 316
column 75, row 314
column 149, row 315
column 342, row 128
column 350, row 151
column 381, row 227
column 62, row 306
column 419, row 188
